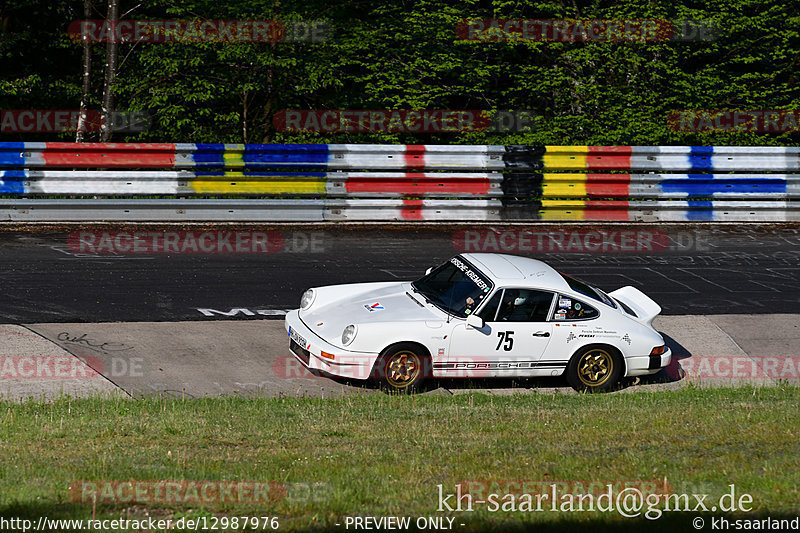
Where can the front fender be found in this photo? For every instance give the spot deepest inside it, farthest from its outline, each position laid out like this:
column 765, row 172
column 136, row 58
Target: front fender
column 376, row 337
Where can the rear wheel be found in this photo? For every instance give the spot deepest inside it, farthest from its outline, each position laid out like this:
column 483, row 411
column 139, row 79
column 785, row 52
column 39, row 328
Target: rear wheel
column 595, row 369
column 401, row 368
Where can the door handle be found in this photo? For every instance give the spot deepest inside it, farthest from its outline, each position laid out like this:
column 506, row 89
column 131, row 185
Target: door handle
column 542, row 334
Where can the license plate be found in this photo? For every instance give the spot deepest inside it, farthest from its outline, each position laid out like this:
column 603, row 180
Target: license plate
column 296, row 337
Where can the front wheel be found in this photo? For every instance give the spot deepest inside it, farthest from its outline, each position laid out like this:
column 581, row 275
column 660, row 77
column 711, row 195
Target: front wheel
column 594, row 369
column 401, row 368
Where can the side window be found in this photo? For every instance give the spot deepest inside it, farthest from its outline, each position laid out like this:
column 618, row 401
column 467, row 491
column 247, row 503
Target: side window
column 524, row 305
column 489, row 311
column 569, row 308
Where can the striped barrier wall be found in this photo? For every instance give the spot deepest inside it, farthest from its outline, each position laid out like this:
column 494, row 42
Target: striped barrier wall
column 623, row 186
column 170, row 182
column 388, row 184
column 409, row 157
column 400, row 182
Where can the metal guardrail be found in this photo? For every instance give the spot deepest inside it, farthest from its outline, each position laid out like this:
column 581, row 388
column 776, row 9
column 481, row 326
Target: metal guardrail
column 388, row 157
column 391, row 210
column 396, row 182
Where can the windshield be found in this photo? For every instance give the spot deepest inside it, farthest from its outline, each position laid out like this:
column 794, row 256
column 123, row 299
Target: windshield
column 456, row 287
column 587, row 290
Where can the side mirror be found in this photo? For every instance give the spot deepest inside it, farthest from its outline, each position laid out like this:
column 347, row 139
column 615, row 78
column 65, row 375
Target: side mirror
column 475, row 321
column 430, row 269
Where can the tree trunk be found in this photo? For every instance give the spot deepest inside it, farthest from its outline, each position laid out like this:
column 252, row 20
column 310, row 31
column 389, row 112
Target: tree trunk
column 87, row 75
column 244, row 116
column 267, row 110
column 111, row 68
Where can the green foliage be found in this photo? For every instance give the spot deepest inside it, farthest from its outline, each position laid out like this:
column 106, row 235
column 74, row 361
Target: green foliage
column 406, row 55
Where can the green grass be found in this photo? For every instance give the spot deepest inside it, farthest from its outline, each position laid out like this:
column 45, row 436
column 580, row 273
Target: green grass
column 385, row 455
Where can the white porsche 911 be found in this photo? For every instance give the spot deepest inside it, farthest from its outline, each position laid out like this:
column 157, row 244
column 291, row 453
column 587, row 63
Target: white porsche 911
column 478, row 315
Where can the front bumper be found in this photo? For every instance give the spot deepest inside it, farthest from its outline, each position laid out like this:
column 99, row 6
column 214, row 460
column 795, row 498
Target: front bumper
column 642, row 365
column 320, row 355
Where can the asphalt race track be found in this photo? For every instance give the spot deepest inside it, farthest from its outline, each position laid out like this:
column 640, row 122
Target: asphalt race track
column 47, row 276
column 112, row 305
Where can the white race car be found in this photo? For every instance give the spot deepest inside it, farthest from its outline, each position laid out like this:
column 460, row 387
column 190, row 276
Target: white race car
column 477, row 316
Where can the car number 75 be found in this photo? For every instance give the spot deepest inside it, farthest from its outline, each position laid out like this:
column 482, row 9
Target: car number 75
column 506, row 340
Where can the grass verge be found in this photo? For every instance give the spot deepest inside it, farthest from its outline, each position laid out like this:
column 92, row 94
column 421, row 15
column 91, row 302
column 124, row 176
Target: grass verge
column 379, row 455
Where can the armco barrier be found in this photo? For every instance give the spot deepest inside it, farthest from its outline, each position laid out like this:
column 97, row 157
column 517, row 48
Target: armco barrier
column 330, row 182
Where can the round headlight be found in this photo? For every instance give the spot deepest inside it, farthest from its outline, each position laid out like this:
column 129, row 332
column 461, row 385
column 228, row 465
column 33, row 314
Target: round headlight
column 307, row 299
column 348, row 334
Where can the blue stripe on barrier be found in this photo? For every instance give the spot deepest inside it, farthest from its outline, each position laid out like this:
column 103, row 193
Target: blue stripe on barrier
column 706, row 185
column 12, row 181
column 260, row 155
column 700, row 157
column 209, row 154
column 11, row 154
column 258, row 173
column 204, row 173
column 301, row 154
column 700, row 210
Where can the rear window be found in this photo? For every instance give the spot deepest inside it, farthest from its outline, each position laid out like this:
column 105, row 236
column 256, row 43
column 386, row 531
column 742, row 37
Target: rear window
column 569, row 308
column 587, row 290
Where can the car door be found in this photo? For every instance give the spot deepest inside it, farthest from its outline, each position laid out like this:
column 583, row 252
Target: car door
column 513, row 339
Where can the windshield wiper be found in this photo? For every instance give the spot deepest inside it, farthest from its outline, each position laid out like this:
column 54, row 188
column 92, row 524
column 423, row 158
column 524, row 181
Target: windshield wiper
column 427, row 300
column 438, row 305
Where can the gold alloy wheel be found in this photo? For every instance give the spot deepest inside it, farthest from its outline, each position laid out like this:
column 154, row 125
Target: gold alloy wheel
column 595, row 367
column 403, row 369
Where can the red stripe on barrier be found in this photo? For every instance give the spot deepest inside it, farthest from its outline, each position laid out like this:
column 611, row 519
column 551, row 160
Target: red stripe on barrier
column 609, row 157
column 610, row 210
column 415, row 156
column 416, row 183
column 608, row 185
column 411, row 210
column 109, row 155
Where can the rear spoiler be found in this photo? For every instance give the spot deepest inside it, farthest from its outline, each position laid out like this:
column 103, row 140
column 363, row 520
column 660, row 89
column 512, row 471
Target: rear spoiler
column 644, row 307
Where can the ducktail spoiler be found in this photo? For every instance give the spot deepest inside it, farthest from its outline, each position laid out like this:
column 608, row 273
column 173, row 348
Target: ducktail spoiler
column 646, row 309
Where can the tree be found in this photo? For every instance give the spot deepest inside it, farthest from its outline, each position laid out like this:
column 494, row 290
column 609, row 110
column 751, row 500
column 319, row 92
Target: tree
column 110, row 72
column 86, row 75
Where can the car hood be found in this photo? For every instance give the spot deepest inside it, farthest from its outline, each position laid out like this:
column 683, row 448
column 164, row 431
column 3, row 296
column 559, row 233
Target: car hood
column 395, row 302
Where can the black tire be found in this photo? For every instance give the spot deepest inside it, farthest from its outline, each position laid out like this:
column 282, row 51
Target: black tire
column 595, row 369
column 402, row 368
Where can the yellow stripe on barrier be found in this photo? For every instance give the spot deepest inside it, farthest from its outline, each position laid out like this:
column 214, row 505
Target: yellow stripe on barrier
column 562, row 210
column 563, row 185
column 565, row 157
column 233, row 155
column 257, row 185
